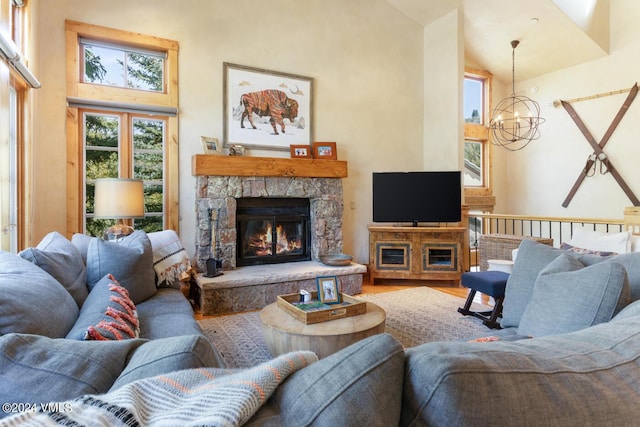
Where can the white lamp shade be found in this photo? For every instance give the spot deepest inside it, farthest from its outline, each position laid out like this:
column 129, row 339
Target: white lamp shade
column 119, row 198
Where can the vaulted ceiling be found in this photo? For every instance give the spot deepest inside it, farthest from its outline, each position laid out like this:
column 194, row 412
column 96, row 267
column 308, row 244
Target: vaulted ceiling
column 553, row 34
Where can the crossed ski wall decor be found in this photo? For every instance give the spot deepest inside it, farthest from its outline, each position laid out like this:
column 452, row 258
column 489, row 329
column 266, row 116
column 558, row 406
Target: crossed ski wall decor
column 599, row 155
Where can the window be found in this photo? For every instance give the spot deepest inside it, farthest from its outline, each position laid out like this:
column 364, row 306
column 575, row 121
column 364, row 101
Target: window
column 122, row 66
column 477, row 149
column 473, row 100
column 18, row 17
column 15, row 100
column 9, row 178
column 106, row 157
column 122, row 116
column 473, row 163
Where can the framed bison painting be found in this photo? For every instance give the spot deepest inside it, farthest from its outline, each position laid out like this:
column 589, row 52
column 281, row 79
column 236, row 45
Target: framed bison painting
column 266, row 109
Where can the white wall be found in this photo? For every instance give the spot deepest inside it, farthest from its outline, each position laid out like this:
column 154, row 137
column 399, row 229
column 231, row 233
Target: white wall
column 539, row 177
column 443, row 92
column 365, row 57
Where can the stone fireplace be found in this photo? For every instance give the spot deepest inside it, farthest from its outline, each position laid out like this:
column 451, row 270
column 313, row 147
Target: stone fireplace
column 216, row 205
column 223, row 183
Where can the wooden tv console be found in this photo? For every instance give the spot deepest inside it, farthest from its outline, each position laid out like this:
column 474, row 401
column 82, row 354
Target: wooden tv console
column 418, row 253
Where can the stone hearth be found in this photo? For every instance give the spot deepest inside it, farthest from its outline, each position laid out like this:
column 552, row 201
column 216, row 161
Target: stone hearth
column 255, row 287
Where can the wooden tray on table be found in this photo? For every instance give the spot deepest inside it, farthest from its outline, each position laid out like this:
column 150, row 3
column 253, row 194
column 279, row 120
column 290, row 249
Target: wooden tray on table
column 308, row 314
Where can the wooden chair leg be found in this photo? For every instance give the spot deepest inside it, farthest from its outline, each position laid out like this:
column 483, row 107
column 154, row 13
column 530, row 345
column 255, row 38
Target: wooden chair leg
column 467, row 305
column 489, row 318
column 492, row 322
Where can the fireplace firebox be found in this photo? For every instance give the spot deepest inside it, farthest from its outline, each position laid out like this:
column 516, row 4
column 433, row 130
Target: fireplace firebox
column 272, row 230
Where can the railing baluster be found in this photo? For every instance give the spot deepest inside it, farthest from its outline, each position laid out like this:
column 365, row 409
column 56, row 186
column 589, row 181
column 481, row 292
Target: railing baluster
column 524, row 226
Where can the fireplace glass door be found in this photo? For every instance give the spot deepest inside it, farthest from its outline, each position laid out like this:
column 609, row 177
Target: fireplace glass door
column 269, row 232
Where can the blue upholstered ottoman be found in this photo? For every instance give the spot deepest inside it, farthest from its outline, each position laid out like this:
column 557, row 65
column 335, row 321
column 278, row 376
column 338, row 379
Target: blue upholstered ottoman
column 492, row 283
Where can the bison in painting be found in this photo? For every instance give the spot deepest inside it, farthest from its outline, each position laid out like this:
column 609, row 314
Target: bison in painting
column 273, row 103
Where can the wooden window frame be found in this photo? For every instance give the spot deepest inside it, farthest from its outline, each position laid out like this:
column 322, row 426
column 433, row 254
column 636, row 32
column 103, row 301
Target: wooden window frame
column 481, row 197
column 76, row 89
column 16, row 22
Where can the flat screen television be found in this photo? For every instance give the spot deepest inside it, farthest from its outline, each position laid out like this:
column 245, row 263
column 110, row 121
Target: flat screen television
column 417, row 197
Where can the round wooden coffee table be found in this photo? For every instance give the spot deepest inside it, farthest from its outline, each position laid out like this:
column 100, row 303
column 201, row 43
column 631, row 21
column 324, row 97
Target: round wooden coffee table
column 284, row 333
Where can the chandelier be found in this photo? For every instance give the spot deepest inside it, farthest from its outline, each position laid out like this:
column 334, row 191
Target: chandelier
column 515, row 120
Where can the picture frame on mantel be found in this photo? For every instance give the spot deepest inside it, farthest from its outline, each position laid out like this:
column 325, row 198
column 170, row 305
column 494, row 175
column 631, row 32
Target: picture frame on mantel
column 265, row 109
column 211, row 145
column 325, row 150
column 300, row 151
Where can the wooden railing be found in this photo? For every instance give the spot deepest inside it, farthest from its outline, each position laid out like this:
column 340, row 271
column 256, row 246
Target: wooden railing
column 559, row 229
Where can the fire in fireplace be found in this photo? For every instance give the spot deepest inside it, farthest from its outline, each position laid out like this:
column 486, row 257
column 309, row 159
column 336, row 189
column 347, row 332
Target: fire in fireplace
column 272, row 230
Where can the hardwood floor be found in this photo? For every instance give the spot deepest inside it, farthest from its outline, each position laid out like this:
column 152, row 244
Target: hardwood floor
column 397, row 285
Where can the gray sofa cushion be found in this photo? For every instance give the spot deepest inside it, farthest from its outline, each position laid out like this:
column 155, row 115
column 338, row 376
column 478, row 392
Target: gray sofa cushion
column 60, row 258
column 81, row 242
column 532, row 258
column 107, row 314
column 129, row 260
column 588, row 377
column 568, row 297
column 37, row 369
column 631, row 263
column 167, row 314
column 630, row 310
column 360, row 385
column 166, row 355
column 32, row 301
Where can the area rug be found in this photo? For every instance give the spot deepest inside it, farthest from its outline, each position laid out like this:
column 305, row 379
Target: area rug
column 414, row 316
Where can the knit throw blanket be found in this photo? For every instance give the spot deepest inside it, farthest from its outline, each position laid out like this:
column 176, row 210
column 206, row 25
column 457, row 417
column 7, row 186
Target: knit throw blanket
column 203, row 397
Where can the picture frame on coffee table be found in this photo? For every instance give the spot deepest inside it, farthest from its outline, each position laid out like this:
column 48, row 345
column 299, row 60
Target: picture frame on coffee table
column 328, row 289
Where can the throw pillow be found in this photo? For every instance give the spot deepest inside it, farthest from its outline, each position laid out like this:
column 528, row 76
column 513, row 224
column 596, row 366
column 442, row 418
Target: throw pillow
column 32, row 301
column 170, row 259
column 107, row 314
column 568, row 297
column 59, row 257
column 129, row 260
column 599, row 241
column 582, row 251
column 532, row 258
column 37, row 369
column 367, row 374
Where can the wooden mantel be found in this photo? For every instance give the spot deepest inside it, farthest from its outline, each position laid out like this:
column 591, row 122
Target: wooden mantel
column 213, row 165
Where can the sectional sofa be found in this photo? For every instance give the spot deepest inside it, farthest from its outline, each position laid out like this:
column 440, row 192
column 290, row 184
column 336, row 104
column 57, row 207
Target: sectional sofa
column 85, row 316
column 568, row 355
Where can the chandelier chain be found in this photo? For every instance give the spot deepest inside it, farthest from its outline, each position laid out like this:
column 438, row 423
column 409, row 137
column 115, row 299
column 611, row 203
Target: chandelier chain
column 513, row 71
